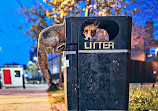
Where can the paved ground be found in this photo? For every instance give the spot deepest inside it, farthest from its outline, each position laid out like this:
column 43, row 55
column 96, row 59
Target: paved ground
column 33, row 98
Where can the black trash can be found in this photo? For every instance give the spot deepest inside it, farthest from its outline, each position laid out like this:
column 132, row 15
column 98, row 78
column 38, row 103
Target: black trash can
column 98, row 51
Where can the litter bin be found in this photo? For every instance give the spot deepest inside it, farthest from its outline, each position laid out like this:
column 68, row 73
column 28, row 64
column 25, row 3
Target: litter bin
column 98, row 62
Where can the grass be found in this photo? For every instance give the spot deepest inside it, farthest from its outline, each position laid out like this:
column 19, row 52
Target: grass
column 140, row 98
column 56, row 97
column 143, row 98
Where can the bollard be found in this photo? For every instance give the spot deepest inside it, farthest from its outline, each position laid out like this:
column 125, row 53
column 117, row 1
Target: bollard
column 98, row 67
column 0, row 85
column 23, row 81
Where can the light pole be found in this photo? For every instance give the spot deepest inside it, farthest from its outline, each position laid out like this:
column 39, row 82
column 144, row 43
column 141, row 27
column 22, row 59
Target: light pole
column 155, row 72
column 156, row 50
column 60, row 72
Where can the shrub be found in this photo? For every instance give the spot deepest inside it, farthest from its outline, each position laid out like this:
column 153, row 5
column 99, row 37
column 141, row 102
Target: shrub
column 143, row 98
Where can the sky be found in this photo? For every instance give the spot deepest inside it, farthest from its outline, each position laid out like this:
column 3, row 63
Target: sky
column 14, row 45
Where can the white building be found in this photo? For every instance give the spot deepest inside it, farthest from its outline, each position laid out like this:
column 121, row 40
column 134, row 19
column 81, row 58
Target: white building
column 12, row 75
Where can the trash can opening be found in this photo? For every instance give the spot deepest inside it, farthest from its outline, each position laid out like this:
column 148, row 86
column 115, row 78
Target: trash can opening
column 99, row 30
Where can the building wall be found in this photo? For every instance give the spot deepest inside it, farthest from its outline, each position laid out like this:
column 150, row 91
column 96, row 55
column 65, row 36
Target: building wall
column 53, row 65
column 15, row 81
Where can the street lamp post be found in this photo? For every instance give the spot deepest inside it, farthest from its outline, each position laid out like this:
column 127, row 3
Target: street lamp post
column 156, row 50
column 60, row 72
column 155, row 72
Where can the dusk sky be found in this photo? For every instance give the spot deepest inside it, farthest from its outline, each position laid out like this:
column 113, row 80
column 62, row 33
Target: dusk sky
column 14, row 45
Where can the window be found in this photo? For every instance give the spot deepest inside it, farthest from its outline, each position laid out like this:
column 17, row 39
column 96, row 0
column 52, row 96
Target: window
column 17, row 73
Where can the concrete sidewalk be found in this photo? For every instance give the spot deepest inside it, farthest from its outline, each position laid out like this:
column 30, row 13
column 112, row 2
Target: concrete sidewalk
column 33, row 98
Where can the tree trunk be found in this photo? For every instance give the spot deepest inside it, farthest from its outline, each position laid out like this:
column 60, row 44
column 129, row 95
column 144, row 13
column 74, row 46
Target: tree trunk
column 87, row 8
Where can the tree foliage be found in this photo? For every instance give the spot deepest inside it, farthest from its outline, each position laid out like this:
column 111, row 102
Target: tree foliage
column 142, row 36
column 147, row 11
column 36, row 19
column 50, row 12
column 33, row 68
column 144, row 33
